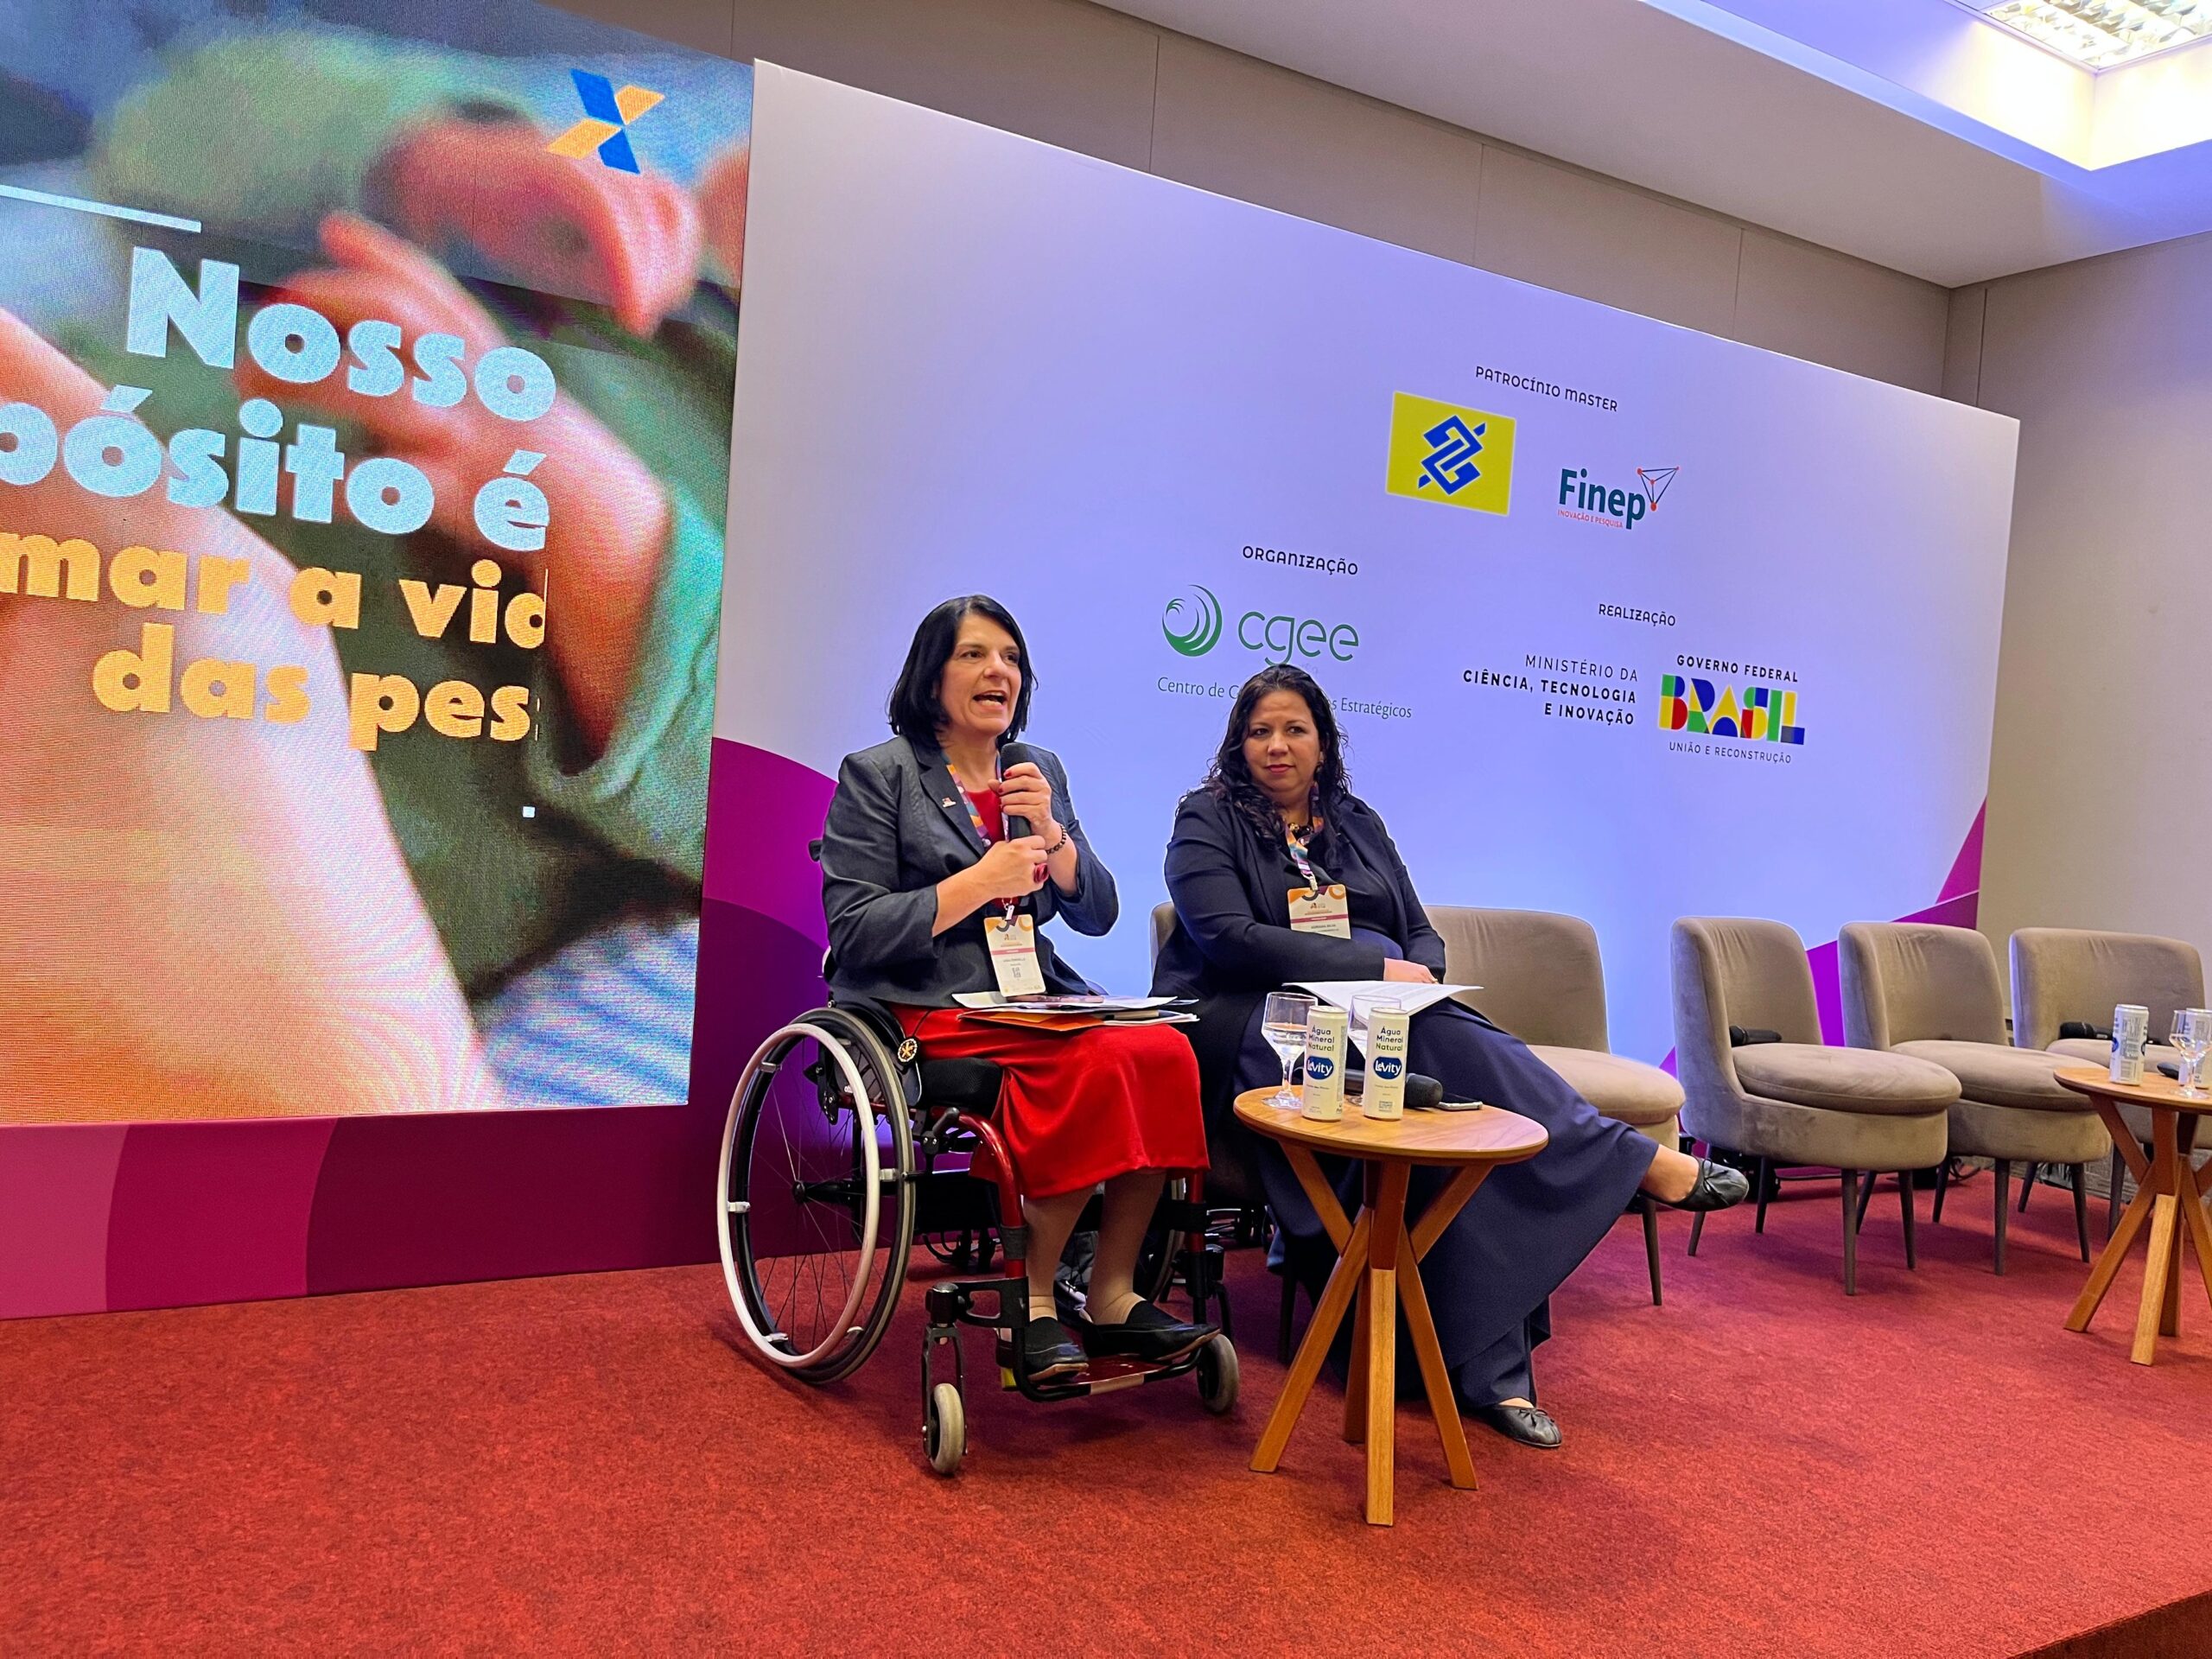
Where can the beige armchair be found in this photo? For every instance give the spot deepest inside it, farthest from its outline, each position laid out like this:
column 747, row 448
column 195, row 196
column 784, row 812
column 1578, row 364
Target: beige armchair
column 1797, row 1101
column 1931, row 992
column 1544, row 981
column 2066, row 974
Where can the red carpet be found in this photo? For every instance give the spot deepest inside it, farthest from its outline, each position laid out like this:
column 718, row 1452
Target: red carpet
column 585, row 1464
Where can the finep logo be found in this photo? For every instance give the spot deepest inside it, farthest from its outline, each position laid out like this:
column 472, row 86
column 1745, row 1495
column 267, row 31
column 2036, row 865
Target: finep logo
column 605, row 125
column 1443, row 452
column 1194, row 622
column 1617, row 506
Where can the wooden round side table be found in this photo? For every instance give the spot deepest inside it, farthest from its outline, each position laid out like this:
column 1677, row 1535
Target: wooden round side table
column 1378, row 1260
column 2168, row 1192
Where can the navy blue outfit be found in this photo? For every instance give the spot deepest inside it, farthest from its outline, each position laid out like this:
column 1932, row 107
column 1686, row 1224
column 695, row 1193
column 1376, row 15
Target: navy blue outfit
column 1491, row 1275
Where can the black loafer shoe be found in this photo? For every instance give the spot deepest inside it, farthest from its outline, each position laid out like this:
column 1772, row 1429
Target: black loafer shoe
column 1717, row 1187
column 1047, row 1351
column 1148, row 1333
column 1529, row 1425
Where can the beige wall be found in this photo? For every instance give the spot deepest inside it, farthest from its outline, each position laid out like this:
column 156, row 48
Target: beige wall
column 1095, row 80
column 2100, row 780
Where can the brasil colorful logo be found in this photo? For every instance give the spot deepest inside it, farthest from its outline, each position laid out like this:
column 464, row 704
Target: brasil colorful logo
column 1766, row 714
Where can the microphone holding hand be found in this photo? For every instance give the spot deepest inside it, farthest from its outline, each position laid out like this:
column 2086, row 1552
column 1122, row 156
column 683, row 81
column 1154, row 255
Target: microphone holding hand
column 1025, row 798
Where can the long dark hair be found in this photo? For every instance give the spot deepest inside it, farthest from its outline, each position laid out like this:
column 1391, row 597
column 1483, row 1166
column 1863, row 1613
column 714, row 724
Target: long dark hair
column 1229, row 780
column 914, row 709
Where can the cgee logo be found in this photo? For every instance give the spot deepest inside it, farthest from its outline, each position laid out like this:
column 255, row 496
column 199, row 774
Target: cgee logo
column 1194, row 623
column 1766, row 714
column 1442, row 452
column 1617, row 507
column 605, row 125
column 1200, row 620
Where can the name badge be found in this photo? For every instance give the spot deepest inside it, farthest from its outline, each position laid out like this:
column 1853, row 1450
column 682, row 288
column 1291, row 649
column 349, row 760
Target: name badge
column 1326, row 911
column 1013, row 954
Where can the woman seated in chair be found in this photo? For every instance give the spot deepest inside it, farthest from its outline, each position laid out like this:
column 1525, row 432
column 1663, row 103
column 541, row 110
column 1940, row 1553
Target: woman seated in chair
column 945, row 852
column 1275, row 816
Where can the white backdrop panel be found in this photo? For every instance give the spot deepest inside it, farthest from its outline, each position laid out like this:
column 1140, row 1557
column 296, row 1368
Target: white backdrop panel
column 973, row 362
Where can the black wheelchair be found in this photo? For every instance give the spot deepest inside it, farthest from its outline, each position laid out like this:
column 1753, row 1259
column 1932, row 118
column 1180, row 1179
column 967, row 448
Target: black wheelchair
column 845, row 1145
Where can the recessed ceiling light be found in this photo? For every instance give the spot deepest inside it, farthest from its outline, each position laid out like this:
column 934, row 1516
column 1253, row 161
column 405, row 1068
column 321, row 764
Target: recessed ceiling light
column 2103, row 33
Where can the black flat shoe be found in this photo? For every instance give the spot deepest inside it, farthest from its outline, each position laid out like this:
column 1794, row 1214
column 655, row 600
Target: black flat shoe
column 1047, row 1351
column 1148, row 1333
column 1527, row 1424
column 1717, row 1187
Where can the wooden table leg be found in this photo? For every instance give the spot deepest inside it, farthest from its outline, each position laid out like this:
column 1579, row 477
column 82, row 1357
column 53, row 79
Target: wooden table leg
column 1386, row 1233
column 2199, row 1229
column 1320, row 1332
column 2159, row 1309
column 1436, row 1380
column 2108, row 1260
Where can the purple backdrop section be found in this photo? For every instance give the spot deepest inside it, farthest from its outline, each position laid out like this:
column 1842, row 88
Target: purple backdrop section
column 207, row 1212
column 55, row 1185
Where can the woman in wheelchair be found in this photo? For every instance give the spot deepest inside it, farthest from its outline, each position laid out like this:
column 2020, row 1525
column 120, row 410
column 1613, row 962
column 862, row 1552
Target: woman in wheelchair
column 1275, row 815
column 946, row 850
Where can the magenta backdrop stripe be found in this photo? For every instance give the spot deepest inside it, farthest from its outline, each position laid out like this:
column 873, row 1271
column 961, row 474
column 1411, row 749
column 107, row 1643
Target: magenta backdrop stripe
column 1965, row 870
column 212, row 1213
column 55, row 1185
column 762, row 810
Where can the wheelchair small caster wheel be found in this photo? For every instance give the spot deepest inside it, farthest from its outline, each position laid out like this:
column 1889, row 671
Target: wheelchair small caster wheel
column 944, row 1426
column 1217, row 1377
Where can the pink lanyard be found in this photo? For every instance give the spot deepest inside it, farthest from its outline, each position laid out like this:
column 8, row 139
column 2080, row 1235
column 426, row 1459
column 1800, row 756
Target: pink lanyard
column 1006, row 907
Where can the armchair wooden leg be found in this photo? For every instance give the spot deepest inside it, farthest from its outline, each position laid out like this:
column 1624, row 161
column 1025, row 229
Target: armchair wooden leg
column 1942, row 1185
column 2082, row 1206
column 1866, row 1195
column 1850, row 1233
column 1697, row 1230
column 2004, row 1181
column 2111, row 1200
column 2028, row 1183
column 1764, row 1177
column 1651, row 1209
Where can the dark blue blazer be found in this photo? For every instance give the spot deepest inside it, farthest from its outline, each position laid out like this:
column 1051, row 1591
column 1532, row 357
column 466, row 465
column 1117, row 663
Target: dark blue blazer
column 1233, row 942
column 897, row 827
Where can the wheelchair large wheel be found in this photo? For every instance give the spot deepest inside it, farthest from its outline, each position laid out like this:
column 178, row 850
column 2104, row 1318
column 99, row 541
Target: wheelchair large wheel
column 816, row 1201
column 1155, row 1274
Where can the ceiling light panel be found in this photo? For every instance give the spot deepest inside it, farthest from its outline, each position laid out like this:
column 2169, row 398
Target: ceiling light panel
column 2103, row 33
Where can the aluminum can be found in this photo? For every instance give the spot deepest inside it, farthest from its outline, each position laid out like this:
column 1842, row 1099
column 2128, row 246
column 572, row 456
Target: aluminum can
column 2131, row 1029
column 1390, row 1033
column 1326, row 1030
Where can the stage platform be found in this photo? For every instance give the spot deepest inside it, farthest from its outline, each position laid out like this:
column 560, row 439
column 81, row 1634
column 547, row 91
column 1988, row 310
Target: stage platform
column 1760, row 1467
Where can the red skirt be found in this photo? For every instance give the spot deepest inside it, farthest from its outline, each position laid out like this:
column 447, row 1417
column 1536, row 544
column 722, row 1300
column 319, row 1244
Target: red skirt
column 1081, row 1107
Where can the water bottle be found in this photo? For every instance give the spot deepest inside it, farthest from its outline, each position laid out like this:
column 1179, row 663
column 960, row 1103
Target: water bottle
column 1326, row 1040
column 1390, row 1033
column 2131, row 1029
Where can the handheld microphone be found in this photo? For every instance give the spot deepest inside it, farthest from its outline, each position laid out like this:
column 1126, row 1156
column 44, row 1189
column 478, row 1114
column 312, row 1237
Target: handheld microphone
column 1012, row 754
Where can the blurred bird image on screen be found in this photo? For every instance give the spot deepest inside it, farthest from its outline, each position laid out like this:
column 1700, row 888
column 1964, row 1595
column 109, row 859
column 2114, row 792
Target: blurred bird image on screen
column 366, row 376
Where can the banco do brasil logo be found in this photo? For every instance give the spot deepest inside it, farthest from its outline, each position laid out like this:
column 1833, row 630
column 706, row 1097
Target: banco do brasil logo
column 605, row 125
column 1443, row 452
column 1192, row 623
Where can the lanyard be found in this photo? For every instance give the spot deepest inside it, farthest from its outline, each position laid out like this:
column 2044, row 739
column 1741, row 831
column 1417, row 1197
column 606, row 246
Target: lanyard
column 1296, row 848
column 1006, row 907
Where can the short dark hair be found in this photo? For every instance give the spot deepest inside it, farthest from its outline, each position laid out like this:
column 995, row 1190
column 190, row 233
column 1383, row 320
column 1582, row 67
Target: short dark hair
column 915, row 712
column 1231, row 779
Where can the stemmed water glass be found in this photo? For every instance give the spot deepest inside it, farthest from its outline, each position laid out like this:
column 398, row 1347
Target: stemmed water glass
column 1282, row 1022
column 2192, row 1035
